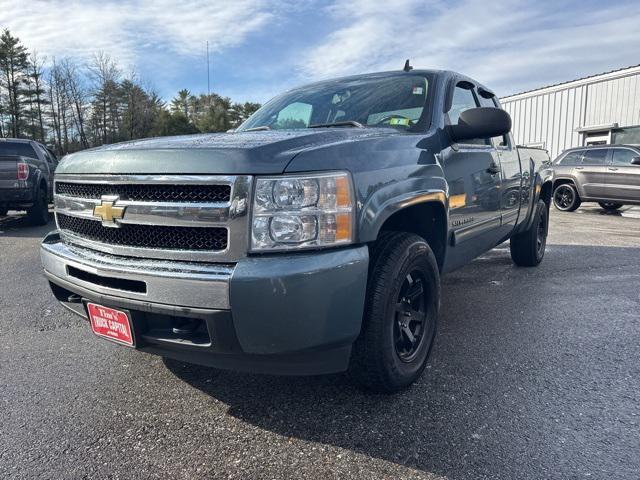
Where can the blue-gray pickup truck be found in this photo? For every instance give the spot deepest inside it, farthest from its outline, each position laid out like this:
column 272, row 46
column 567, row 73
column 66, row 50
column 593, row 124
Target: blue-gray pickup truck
column 311, row 239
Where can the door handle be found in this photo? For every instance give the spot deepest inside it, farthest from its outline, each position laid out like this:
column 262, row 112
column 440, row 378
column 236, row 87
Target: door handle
column 613, row 169
column 493, row 169
column 579, row 168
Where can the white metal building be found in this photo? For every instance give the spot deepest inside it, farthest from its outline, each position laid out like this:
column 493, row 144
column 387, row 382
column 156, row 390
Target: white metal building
column 594, row 110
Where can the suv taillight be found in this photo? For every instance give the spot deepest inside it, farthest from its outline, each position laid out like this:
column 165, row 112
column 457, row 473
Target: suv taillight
column 23, row 171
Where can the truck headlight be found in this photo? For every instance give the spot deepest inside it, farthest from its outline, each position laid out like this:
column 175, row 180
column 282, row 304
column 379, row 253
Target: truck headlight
column 302, row 211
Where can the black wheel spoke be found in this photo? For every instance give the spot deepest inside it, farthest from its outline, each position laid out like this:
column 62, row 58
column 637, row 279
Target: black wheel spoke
column 409, row 334
column 417, row 316
column 401, row 308
column 415, row 291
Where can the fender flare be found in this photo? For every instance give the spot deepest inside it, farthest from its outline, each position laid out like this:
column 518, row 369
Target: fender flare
column 540, row 179
column 394, row 197
column 37, row 181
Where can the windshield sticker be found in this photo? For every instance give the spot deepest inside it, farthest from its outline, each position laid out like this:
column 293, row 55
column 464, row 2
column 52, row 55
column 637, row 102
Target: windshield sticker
column 418, row 90
column 399, row 121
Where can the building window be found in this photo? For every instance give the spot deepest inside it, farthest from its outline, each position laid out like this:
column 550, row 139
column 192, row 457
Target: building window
column 627, row 135
column 596, row 138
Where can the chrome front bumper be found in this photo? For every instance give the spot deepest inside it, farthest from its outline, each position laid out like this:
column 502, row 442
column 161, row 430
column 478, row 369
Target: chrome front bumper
column 167, row 282
column 286, row 314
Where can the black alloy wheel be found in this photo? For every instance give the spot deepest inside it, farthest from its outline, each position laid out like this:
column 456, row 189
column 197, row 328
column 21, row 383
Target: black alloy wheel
column 610, row 206
column 411, row 322
column 565, row 198
column 541, row 235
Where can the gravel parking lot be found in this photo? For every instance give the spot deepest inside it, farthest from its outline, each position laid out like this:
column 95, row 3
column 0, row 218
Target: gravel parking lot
column 535, row 374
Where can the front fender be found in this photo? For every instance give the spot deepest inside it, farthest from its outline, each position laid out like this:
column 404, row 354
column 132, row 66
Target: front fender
column 393, row 197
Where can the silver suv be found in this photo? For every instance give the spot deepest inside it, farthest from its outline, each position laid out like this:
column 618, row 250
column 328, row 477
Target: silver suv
column 607, row 174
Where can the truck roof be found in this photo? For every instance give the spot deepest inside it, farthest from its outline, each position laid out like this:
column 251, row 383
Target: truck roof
column 446, row 74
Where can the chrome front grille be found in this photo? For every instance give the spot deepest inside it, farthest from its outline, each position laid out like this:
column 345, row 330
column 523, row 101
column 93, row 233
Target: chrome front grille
column 148, row 192
column 176, row 217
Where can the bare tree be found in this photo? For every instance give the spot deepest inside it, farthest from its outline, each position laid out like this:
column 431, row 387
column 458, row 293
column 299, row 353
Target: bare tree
column 105, row 75
column 77, row 96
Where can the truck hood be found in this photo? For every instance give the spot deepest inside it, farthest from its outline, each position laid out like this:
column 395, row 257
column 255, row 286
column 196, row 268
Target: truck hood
column 258, row 152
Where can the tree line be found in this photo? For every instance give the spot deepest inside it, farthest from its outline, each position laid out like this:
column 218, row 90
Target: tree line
column 71, row 106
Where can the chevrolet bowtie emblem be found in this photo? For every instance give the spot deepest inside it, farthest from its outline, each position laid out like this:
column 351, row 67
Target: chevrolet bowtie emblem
column 107, row 212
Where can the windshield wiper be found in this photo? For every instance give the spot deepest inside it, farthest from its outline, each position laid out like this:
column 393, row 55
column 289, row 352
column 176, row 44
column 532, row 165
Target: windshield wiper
column 257, row 129
column 345, row 123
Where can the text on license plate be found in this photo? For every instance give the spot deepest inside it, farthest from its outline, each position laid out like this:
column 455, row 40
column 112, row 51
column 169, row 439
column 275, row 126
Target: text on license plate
column 110, row 323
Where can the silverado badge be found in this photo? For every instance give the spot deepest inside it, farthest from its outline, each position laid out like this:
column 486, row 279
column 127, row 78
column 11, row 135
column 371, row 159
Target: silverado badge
column 107, row 212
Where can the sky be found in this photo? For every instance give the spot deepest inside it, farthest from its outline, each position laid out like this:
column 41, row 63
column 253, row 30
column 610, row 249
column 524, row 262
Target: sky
column 259, row 48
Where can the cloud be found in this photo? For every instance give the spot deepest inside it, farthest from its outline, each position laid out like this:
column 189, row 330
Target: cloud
column 129, row 29
column 510, row 45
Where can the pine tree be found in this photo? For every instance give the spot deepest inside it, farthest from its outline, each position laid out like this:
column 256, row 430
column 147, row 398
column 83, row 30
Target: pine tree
column 14, row 64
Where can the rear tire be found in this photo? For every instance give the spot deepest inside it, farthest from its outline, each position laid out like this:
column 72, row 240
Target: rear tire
column 610, row 206
column 528, row 247
column 38, row 214
column 566, row 198
column 401, row 313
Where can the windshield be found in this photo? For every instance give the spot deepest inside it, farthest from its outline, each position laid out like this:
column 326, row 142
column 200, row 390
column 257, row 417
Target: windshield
column 392, row 101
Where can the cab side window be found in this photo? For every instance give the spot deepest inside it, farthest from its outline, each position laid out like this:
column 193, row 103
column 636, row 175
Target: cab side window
column 463, row 99
column 623, row 156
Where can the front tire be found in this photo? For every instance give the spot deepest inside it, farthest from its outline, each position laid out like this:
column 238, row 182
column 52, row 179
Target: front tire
column 38, row 214
column 566, row 198
column 610, row 206
column 401, row 313
column 528, row 247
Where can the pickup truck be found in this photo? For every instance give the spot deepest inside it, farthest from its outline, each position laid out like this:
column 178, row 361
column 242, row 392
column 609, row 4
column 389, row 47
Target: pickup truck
column 26, row 178
column 311, row 240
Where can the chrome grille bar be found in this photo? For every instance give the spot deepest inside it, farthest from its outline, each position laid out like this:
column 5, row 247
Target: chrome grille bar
column 151, row 213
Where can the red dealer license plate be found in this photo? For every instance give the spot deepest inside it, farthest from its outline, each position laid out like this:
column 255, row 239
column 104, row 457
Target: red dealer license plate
column 110, row 323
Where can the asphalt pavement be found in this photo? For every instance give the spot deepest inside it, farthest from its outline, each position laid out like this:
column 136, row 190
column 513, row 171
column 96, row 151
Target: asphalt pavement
column 535, row 374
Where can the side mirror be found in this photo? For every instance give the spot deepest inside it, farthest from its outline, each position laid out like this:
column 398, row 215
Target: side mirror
column 483, row 122
column 635, row 161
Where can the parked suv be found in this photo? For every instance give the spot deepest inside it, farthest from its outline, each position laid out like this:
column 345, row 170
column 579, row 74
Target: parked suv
column 607, row 174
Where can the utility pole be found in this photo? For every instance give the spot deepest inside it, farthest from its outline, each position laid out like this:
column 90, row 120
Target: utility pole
column 208, row 77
